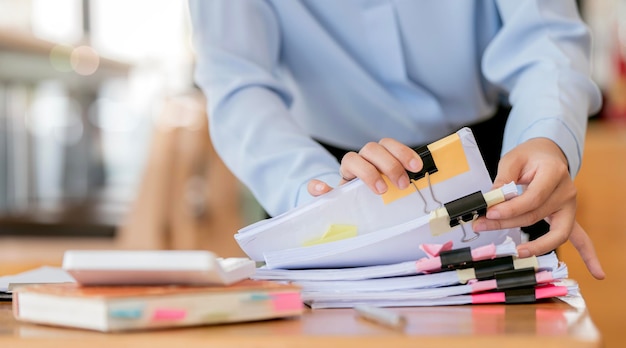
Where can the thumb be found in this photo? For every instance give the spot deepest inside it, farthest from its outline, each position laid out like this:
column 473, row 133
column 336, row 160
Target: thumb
column 508, row 170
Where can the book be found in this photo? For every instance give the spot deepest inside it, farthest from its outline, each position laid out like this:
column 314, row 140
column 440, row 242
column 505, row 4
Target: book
column 153, row 267
column 123, row 308
column 351, row 226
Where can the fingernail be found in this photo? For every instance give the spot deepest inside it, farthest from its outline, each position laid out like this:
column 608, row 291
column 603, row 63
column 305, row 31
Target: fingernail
column 381, row 187
column 493, row 214
column 480, row 226
column 319, row 187
column 522, row 252
column 403, row 182
column 414, row 165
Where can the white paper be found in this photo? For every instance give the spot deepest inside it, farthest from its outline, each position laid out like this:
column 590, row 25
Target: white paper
column 419, row 300
column 546, row 262
column 385, row 288
column 387, row 233
column 44, row 274
column 392, row 245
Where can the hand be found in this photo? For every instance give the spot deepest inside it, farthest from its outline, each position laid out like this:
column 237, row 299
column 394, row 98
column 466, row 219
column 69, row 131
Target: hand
column 550, row 194
column 388, row 157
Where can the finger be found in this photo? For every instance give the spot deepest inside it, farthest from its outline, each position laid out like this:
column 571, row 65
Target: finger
column 581, row 241
column 561, row 225
column 485, row 224
column 409, row 159
column 542, row 245
column 543, row 188
column 345, row 177
column 386, row 162
column 317, row 187
column 542, row 210
column 355, row 166
column 508, row 170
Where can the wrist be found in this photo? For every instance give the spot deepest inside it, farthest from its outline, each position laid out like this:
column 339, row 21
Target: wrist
column 546, row 145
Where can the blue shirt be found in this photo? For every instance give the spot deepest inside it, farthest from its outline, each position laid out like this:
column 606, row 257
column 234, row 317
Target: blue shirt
column 280, row 73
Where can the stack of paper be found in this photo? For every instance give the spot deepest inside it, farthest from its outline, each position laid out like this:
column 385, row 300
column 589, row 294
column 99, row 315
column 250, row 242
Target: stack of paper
column 411, row 247
column 499, row 277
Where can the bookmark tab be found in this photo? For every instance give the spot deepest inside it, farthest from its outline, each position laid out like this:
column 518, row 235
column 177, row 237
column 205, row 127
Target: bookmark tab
column 168, row 314
column 126, row 313
column 287, row 301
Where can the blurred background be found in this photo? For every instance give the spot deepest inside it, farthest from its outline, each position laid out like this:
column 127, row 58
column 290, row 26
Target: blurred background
column 80, row 83
column 88, row 90
column 104, row 140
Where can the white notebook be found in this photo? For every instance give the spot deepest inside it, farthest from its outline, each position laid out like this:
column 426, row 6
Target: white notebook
column 147, row 267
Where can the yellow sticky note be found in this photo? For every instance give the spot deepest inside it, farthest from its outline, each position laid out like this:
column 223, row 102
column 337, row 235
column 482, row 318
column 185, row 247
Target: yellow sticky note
column 449, row 157
column 334, row 233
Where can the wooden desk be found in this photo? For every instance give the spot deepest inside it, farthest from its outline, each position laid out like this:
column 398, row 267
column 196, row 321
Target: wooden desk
column 549, row 324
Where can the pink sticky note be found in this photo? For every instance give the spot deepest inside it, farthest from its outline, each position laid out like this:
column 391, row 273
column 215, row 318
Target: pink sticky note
column 169, row 314
column 286, row 301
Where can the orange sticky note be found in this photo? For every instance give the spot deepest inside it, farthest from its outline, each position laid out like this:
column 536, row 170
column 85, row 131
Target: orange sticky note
column 449, row 157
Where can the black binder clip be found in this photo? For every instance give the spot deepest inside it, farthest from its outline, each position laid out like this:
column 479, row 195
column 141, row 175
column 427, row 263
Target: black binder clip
column 456, row 258
column 486, row 269
column 516, row 278
column 466, row 208
column 520, row 295
column 428, row 162
column 428, row 167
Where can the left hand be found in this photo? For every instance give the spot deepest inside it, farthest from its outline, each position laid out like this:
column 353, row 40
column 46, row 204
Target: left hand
column 550, row 194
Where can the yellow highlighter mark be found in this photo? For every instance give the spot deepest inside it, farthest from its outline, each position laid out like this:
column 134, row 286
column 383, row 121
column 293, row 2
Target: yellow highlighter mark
column 449, row 157
column 334, row 233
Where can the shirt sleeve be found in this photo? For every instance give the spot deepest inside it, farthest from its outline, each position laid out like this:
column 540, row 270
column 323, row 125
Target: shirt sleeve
column 541, row 57
column 237, row 45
